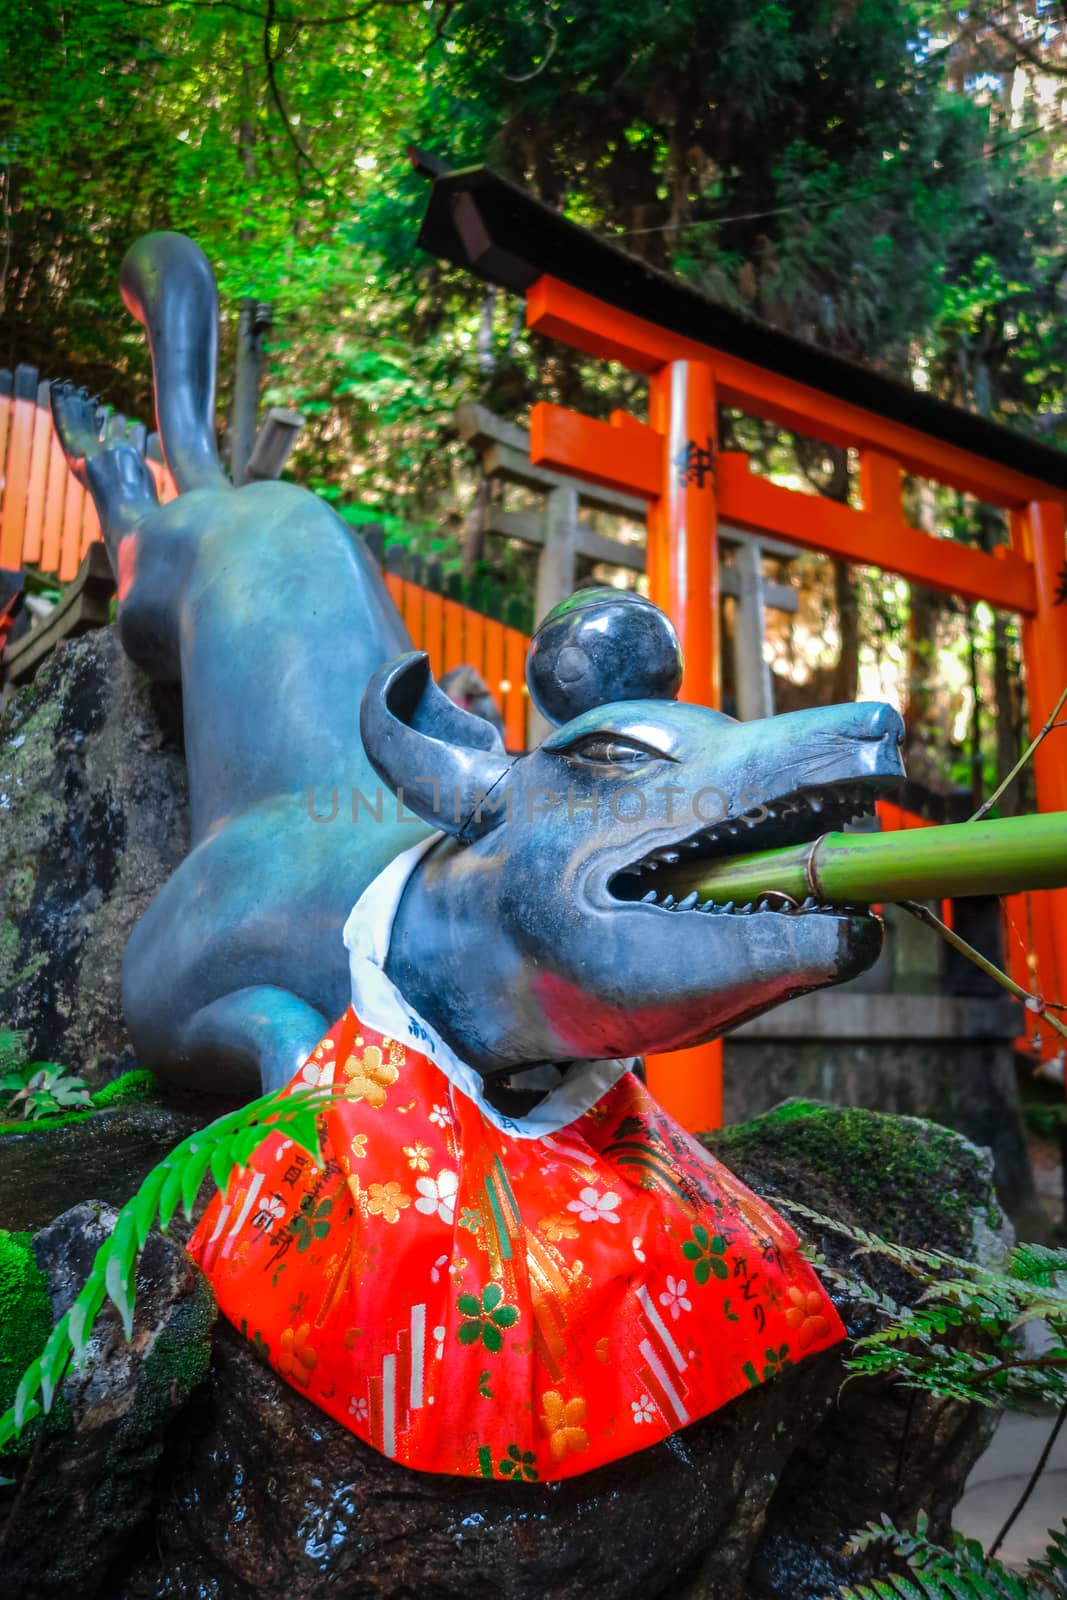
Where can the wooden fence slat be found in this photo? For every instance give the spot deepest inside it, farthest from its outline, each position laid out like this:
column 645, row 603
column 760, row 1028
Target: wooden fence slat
column 70, row 544
column 90, row 525
column 453, row 645
column 412, row 611
column 514, row 697
column 494, row 660
column 35, row 499
column 433, row 631
column 395, row 588
column 55, row 499
column 16, row 481
column 474, row 640
column 5, row 423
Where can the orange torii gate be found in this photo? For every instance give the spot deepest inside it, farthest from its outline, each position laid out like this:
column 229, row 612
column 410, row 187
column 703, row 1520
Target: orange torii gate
column 698, row 357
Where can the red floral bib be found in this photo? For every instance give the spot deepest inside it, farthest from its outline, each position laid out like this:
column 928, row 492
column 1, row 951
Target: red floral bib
column 473, row 1300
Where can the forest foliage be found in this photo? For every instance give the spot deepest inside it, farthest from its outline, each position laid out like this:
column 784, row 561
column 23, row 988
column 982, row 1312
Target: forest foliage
column 882, row 177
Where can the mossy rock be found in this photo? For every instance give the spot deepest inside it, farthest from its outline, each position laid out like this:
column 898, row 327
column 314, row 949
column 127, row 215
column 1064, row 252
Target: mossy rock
column 79, row 1500
column 907, row 1179
column 25, row 1323
column 91, row 764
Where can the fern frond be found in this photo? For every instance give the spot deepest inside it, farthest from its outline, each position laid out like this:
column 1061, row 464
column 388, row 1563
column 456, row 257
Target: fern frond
column 960, row 1337
column 960, row 1571
column 1037, row 1263
column 221, row 1147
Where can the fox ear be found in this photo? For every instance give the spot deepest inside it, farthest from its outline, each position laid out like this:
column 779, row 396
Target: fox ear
column 445, row 759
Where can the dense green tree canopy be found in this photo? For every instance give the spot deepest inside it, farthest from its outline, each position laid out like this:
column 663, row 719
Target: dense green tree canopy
column 883, row 177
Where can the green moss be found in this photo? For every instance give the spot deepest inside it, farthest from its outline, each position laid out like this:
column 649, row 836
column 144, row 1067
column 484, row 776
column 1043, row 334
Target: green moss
column 25, row 1323
column 65, row 1120
column 905, row 1178
column 181, row 1355
column 137, row 1085
column 792, row 1111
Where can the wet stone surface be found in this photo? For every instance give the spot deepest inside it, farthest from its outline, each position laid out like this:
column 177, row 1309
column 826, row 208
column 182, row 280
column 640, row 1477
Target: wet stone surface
column 83, row 1492
column 47, row 1169
column 93, row 819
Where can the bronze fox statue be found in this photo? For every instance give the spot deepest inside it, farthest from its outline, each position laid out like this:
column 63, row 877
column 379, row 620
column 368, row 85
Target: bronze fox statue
column 532, row 932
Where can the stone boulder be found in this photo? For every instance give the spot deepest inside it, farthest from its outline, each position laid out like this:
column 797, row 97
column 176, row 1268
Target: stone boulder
column 49, row 1166
column 93, row 819
column 86, row 1489
column 261, row 1494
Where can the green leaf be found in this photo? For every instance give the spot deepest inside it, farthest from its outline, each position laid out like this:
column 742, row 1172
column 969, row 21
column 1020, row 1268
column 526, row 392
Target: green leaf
column 469, row 1332
column 492, row 1338
column 84, row 1311
column 171, row 1192
column 117, row 1278
column 144, row 1203
column 54, row 1358
column 222, row 1161
column 196, row 1166
column 702, row 1270
column 492, row 1295
column 691, row 1251
column 29, row 1385
column 303, row 1129
column 701, row 1235
column 505, row 1316
column 469, row 1305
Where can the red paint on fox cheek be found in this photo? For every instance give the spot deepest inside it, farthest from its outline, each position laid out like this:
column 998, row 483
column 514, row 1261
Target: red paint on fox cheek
column 127, row 563
column 586, row 1025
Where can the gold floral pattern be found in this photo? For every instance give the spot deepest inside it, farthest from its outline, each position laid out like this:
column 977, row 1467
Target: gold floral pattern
column 369, row 1075
column 386, row 1200
column 359, row 1145
column 562, row 1421
column 556, row 1228
column 418, row 1156
column 805, row 1316
column 296, row 1358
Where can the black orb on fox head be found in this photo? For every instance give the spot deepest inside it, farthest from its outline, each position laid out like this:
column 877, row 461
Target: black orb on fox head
column 600, row 646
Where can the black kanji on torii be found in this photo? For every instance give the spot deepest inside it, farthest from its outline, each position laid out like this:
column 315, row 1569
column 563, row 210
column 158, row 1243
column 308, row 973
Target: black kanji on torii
column 695, row 463
column 1061, row 592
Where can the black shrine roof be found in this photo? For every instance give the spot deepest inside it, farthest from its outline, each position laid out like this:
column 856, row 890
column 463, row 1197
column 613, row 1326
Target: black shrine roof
column 503, row 234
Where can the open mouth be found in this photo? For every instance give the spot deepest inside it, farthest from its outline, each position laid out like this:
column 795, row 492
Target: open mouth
column 792, row 819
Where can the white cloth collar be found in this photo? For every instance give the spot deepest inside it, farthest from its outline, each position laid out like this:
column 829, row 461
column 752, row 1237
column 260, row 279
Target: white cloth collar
column 377, row 1001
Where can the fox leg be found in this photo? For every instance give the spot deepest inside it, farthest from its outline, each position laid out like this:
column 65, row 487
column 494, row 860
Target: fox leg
column 251, row 1041
column 112, row 469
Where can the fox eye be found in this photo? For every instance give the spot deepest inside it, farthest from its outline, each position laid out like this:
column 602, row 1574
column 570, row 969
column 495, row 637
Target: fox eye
column 609, row 749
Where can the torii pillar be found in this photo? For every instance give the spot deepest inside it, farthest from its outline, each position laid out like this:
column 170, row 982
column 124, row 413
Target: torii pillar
column 671, row 463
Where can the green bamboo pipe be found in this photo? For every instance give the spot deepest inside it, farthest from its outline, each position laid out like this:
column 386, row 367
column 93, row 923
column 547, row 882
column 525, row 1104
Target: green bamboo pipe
column 968, row 858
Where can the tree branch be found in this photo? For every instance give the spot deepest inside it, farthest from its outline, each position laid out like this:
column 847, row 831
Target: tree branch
column 270, row 22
